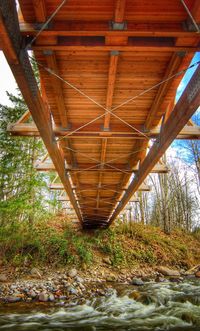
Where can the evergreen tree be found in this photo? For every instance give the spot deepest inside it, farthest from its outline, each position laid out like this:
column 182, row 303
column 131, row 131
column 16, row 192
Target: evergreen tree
column 23, row 191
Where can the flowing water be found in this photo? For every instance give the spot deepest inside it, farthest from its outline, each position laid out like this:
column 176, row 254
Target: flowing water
column 163, row 306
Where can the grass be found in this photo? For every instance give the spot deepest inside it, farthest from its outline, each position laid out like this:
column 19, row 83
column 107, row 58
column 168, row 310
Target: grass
column 57, row 243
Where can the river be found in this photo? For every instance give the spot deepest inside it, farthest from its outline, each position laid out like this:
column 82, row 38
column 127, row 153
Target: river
column 154, row 306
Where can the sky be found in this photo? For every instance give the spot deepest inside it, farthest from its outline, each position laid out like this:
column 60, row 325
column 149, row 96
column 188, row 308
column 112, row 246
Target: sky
column 187, row 76
column 7, row 81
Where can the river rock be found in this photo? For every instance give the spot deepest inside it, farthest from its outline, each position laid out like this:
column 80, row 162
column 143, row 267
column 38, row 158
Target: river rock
column 82, row 287
column 32, row 294
column 72, row 290
column 72, row 273
column 12, row 299
column 175, row 279
column 79, row 280
column 193, row 270
column 43, row 297
column 111, row 278
column 51, row 297
column 168, row 272
column 35, row 273
column 137, row 282
column 161, row 280
column 107, row 260
column 3, row 278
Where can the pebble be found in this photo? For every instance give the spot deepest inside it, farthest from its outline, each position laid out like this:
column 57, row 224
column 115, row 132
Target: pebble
column 107, row 260
column 3, row 278
column 72, row 290
column 111, row 278
column 79, row 279
column 32, row 294
column 35, row 273
column 72, row 273
column 67, row 287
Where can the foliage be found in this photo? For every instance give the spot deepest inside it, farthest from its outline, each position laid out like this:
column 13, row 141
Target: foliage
column 23, row 191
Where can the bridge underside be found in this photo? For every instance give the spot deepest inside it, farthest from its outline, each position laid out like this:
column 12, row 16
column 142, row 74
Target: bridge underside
column 108, row 80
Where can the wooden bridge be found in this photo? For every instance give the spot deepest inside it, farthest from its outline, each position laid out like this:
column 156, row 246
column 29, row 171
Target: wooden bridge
column 105, row 101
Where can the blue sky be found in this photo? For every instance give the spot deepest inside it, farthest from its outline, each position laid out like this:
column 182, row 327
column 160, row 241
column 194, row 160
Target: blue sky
column 180, row 146
column 187, row 76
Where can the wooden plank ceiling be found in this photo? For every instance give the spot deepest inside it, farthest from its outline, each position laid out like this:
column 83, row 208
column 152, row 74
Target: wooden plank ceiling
column 112, row 51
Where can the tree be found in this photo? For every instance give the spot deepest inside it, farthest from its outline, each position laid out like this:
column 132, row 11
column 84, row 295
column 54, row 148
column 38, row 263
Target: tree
column 23, row 191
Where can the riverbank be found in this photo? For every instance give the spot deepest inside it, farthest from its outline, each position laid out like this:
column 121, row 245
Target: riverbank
column 67, row 286
column 58, row 263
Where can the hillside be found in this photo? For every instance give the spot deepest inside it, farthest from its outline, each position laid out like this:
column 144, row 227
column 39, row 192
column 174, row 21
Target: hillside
column 126, row 247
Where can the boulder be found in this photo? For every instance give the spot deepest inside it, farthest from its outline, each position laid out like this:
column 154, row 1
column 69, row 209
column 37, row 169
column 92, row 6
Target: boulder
column 51, row 297
column 43, row 297
column 168, row 272
column 13, row 299
column 137, row 282
column 175, row 279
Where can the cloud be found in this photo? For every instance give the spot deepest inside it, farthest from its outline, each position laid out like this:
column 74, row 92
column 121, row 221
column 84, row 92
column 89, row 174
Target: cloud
column 7, row 81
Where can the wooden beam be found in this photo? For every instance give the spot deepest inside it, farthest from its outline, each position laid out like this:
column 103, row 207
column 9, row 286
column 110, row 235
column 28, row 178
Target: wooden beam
column 63, row 199
column 41, row 16
column 40, row 10
column 30, row 129
column 24, row 117
column 157, row 169
column 195, row 11
column 56, row 186
column 119, row 11
column 134, row 200
column 183, row 110
column 173, row 67
column 23, row 73
column 114, row 56
column 142, row 47
column 100, row 28
column 57, row 87
column 144, row 188
column 85, row 167
column 178, row 62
